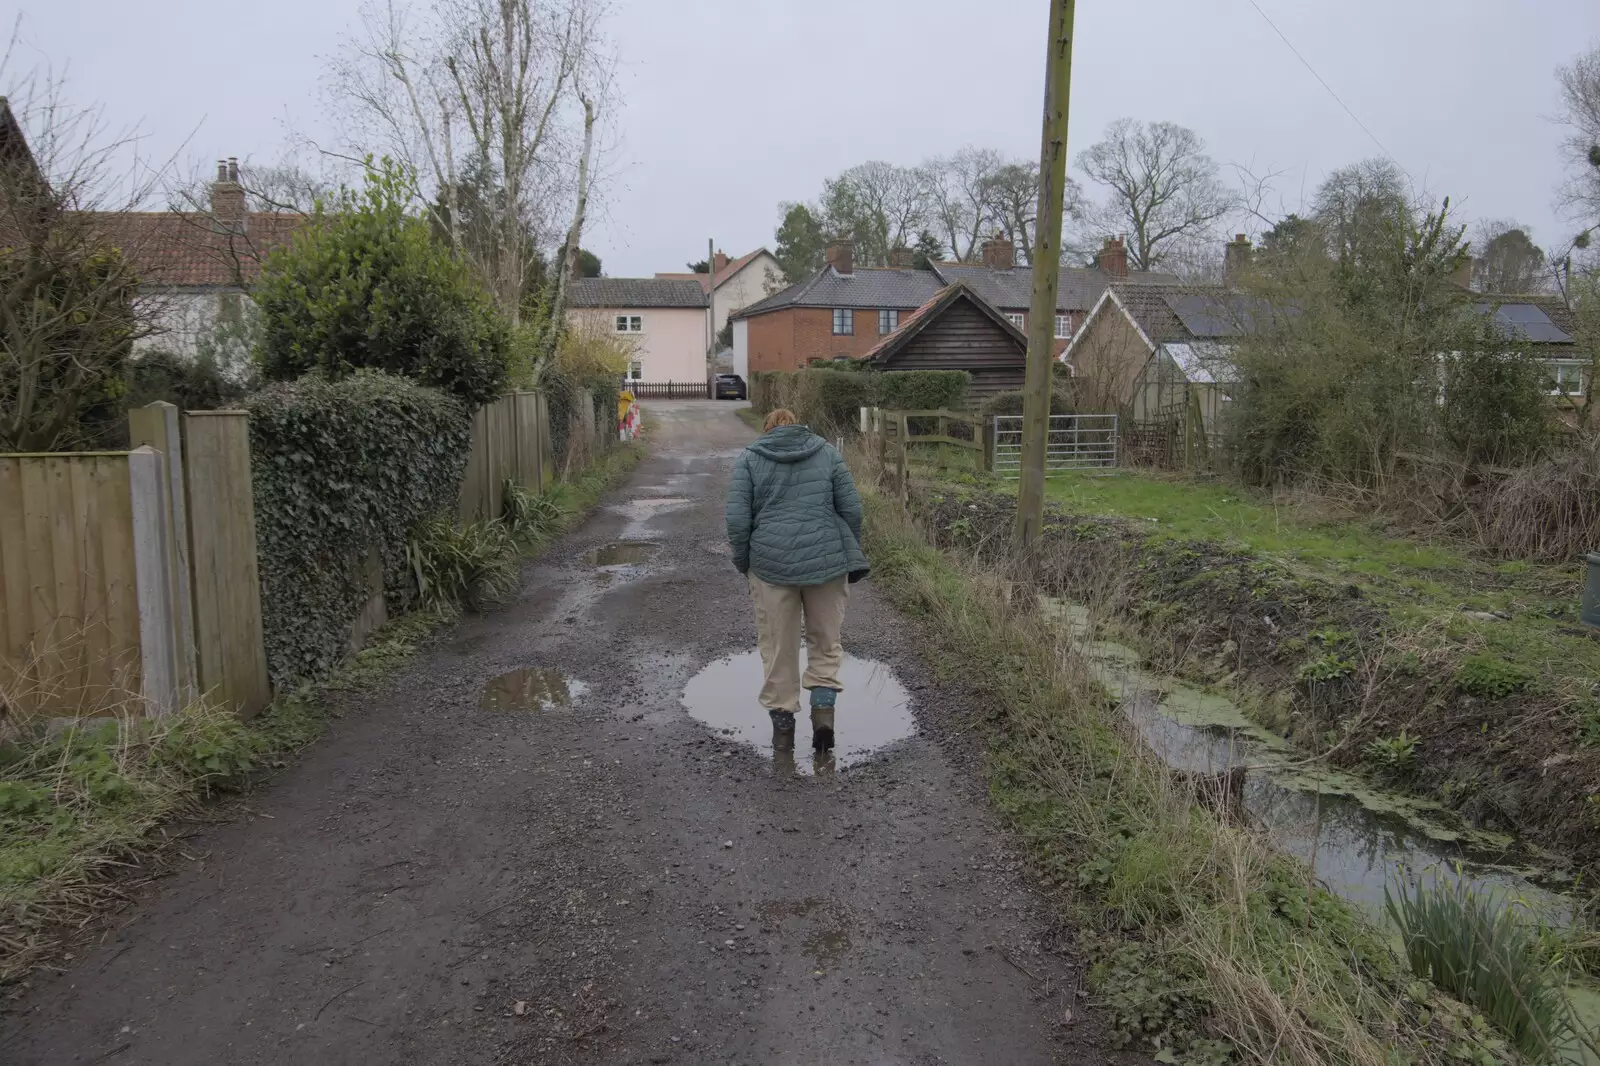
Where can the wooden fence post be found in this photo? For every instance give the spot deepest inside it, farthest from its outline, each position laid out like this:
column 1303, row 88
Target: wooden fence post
column 152, row 556
column 156, row 426
column 230, row 649
column 985, row 436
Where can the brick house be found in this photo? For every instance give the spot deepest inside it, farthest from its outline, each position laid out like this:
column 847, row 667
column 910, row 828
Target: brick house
column 843, row 310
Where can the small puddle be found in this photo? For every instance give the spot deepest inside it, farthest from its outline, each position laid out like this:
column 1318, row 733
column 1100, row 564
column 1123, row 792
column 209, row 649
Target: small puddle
column 828, row 940
column 622, row 553
column 874, row 709
column 533, row 689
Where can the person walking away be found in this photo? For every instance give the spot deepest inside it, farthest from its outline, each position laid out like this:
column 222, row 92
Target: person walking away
column 794, row 522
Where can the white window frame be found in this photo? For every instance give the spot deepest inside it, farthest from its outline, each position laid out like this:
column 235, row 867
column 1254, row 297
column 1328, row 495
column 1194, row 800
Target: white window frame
column 1017, row 318
column 888, row 321
column 630, row 323
column 1063, row 327
column 844, row 322
column 1559, row 372
column 636, row 370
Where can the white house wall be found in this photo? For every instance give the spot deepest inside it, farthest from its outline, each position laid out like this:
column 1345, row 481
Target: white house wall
column 759, row 279
column 741, row 348
column 672, row 346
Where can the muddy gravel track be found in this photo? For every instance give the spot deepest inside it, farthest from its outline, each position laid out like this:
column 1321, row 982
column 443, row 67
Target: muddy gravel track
column 581, row 872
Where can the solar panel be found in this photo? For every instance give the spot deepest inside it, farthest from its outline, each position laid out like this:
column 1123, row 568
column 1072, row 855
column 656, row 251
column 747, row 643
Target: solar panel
column 1211, row 316
column 1206, row 316
column 1530, row 321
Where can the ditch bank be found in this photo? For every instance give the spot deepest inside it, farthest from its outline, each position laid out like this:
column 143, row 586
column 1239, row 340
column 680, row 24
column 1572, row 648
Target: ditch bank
column 1503, row 758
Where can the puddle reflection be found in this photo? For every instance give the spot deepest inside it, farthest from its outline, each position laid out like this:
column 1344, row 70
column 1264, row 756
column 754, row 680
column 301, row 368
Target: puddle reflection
column 622, row 553
column 533, row 689
column 874, row 711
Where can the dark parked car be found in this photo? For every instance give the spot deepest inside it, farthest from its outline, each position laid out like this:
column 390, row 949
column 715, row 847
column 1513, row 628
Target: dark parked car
column 729, row 387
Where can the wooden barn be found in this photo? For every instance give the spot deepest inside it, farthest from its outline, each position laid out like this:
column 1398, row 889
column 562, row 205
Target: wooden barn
column 958, row 330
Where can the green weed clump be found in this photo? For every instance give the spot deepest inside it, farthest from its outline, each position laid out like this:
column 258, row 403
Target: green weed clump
column 531, row 517
column 1479, row 949
column 1491, row 678
column 474, row 566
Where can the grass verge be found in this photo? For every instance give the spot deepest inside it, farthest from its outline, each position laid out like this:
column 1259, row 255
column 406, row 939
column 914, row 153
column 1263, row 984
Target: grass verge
column 1207, row 946
column 84, row 811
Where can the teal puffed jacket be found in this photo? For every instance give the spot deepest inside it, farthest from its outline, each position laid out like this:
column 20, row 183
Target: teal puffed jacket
column 794, row 517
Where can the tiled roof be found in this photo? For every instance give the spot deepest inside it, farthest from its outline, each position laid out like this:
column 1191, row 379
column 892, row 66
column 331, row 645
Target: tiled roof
column 189, row 250
column 929, row 313
column 1012, row 290
column 636, row 292
column 733, row 267
column 888, row 287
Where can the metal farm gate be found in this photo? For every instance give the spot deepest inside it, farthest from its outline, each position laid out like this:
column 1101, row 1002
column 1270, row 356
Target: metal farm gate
column 1076, row 442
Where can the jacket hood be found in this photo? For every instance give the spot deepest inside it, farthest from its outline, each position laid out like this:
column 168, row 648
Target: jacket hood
column 788, row 444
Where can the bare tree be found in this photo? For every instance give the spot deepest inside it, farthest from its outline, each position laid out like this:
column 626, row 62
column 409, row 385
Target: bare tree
column 957, row 189
column 1580, row 98
column 881, row 205
column 474, row 84
column 71, row 306
column 1357, row 205
column 1011, row 200
column 1509, row 261
column 1163, row 188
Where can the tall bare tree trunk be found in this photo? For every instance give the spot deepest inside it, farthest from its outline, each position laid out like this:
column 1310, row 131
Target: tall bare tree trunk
column 569, row 264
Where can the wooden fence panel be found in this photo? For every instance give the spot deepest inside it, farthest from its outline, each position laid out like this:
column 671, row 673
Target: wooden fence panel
column 230, row 648
column 510, row 439
column 69, row 584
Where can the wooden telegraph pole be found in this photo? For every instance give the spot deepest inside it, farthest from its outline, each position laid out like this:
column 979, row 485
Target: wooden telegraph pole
column 1046, row 272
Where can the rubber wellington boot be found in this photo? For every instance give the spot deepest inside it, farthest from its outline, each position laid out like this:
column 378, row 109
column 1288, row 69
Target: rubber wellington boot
column 822, row 701
column 782, row 741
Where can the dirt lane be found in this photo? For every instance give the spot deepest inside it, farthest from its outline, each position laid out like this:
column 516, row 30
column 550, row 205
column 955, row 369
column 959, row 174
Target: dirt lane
column 640, row 887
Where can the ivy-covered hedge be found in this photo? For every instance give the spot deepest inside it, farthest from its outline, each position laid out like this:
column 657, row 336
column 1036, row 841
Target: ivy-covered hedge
column 830, row 400
column 340, row 467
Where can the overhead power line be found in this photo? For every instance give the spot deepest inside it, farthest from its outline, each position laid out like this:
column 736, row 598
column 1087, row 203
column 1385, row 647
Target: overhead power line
column 1323, row 82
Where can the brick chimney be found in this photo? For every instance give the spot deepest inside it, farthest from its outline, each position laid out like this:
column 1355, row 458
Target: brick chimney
column 1113, row 258
column 718, row 262
column 999, row 253
column 228, row 208
column 842, row 255
column 1235, row 258
column 902, row 258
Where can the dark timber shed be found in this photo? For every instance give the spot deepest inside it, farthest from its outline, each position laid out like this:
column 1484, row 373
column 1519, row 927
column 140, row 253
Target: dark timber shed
column 959, row 330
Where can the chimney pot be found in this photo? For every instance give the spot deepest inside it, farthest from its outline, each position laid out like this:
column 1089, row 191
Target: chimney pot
column 999, row 253
column 228, row 208
column 841, row 255
column 1235, row 258
column 1113, row 258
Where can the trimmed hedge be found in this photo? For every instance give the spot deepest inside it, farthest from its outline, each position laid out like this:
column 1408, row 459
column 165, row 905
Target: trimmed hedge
column 831, row 400
column 364, row 285
column 339, row 467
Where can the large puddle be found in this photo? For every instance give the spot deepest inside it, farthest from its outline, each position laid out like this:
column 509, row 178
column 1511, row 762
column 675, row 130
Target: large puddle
column 1356, row 838
column 643, row 512
column 622, row 553
column 532, row 689
column 874, row 709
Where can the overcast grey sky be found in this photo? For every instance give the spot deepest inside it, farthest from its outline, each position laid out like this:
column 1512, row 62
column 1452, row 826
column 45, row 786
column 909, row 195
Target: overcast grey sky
column 734, row 105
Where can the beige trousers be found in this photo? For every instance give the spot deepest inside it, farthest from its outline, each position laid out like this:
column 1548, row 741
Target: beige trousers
column 779, row 612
